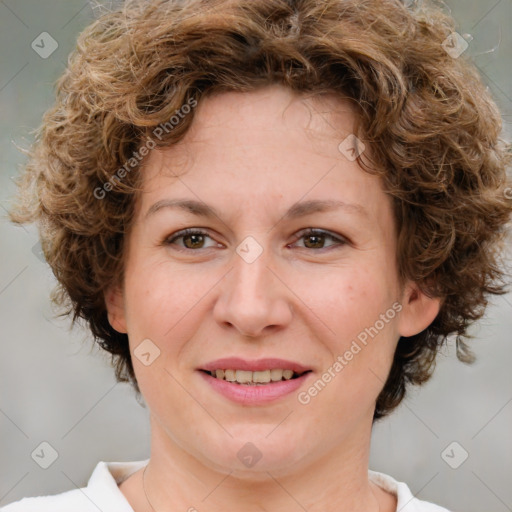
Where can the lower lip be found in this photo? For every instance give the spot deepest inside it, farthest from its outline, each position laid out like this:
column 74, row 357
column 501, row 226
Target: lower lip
column 254, row 394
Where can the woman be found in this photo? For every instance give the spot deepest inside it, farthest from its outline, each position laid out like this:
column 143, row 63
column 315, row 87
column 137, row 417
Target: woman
column 272, row 214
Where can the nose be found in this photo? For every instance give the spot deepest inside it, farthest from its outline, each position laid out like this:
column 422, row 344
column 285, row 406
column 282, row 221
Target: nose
column 253, row 297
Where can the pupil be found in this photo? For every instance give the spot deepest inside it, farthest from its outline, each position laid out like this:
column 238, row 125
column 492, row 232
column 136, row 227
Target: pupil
column 197, row 238
column 319, row 239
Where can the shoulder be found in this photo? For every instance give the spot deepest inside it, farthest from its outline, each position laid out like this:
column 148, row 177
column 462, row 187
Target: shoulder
column 406, row 501
column 101, row 493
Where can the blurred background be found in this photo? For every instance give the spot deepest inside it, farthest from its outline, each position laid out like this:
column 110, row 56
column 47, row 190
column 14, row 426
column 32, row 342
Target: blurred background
column 451, row 440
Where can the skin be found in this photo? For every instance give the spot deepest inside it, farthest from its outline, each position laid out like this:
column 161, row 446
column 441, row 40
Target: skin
column 251, row 156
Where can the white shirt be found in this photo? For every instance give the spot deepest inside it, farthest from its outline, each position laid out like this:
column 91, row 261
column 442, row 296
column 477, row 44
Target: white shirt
column 102, row 493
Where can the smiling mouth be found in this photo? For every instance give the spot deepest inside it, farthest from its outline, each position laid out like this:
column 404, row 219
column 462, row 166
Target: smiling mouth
column 258, row 378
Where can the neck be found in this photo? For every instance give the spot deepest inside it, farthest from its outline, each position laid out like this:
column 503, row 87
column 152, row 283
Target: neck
column 335, row 481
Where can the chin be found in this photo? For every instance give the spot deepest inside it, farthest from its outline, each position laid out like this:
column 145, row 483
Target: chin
column 252, row 457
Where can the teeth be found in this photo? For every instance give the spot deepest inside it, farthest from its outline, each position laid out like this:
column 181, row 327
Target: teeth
column 276, row 375
column 248, row 377
column 261, row 377
column 288, row 374
column 243, row 377
column 228, row 375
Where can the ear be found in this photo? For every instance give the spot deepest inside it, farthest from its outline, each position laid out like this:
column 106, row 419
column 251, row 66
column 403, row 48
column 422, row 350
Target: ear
column 114, row 302
column 418, row 310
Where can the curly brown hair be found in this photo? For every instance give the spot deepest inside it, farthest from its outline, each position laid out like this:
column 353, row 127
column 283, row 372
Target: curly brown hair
column 434, row 130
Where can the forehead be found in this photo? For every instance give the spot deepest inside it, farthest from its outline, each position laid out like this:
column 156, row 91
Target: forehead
column 274, row 109
column 259, row 149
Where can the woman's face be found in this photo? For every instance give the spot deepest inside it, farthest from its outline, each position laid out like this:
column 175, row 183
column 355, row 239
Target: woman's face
column 254, row 285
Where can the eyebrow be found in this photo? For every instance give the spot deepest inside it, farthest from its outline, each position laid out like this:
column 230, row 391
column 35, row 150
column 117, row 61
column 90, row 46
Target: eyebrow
column 297, row 210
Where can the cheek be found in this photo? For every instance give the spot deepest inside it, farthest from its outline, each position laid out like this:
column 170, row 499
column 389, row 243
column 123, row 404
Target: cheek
column 353, row 299
column 162, row 299
column 358, row 308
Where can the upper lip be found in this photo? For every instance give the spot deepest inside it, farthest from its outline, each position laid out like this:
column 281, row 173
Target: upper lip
column 236, row 363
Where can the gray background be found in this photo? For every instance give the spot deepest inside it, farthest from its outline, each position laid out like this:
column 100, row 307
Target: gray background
column 55, row 387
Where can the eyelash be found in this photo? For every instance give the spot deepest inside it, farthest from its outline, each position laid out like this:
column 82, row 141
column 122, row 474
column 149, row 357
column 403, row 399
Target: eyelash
column 304, row 233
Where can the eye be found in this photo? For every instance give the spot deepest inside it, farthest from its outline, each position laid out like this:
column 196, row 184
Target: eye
column 315, row 239
column 195, row 239
column 192, row 239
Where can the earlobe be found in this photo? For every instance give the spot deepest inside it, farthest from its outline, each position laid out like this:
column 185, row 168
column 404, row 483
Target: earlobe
column 114, row 302
column 418, row 310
